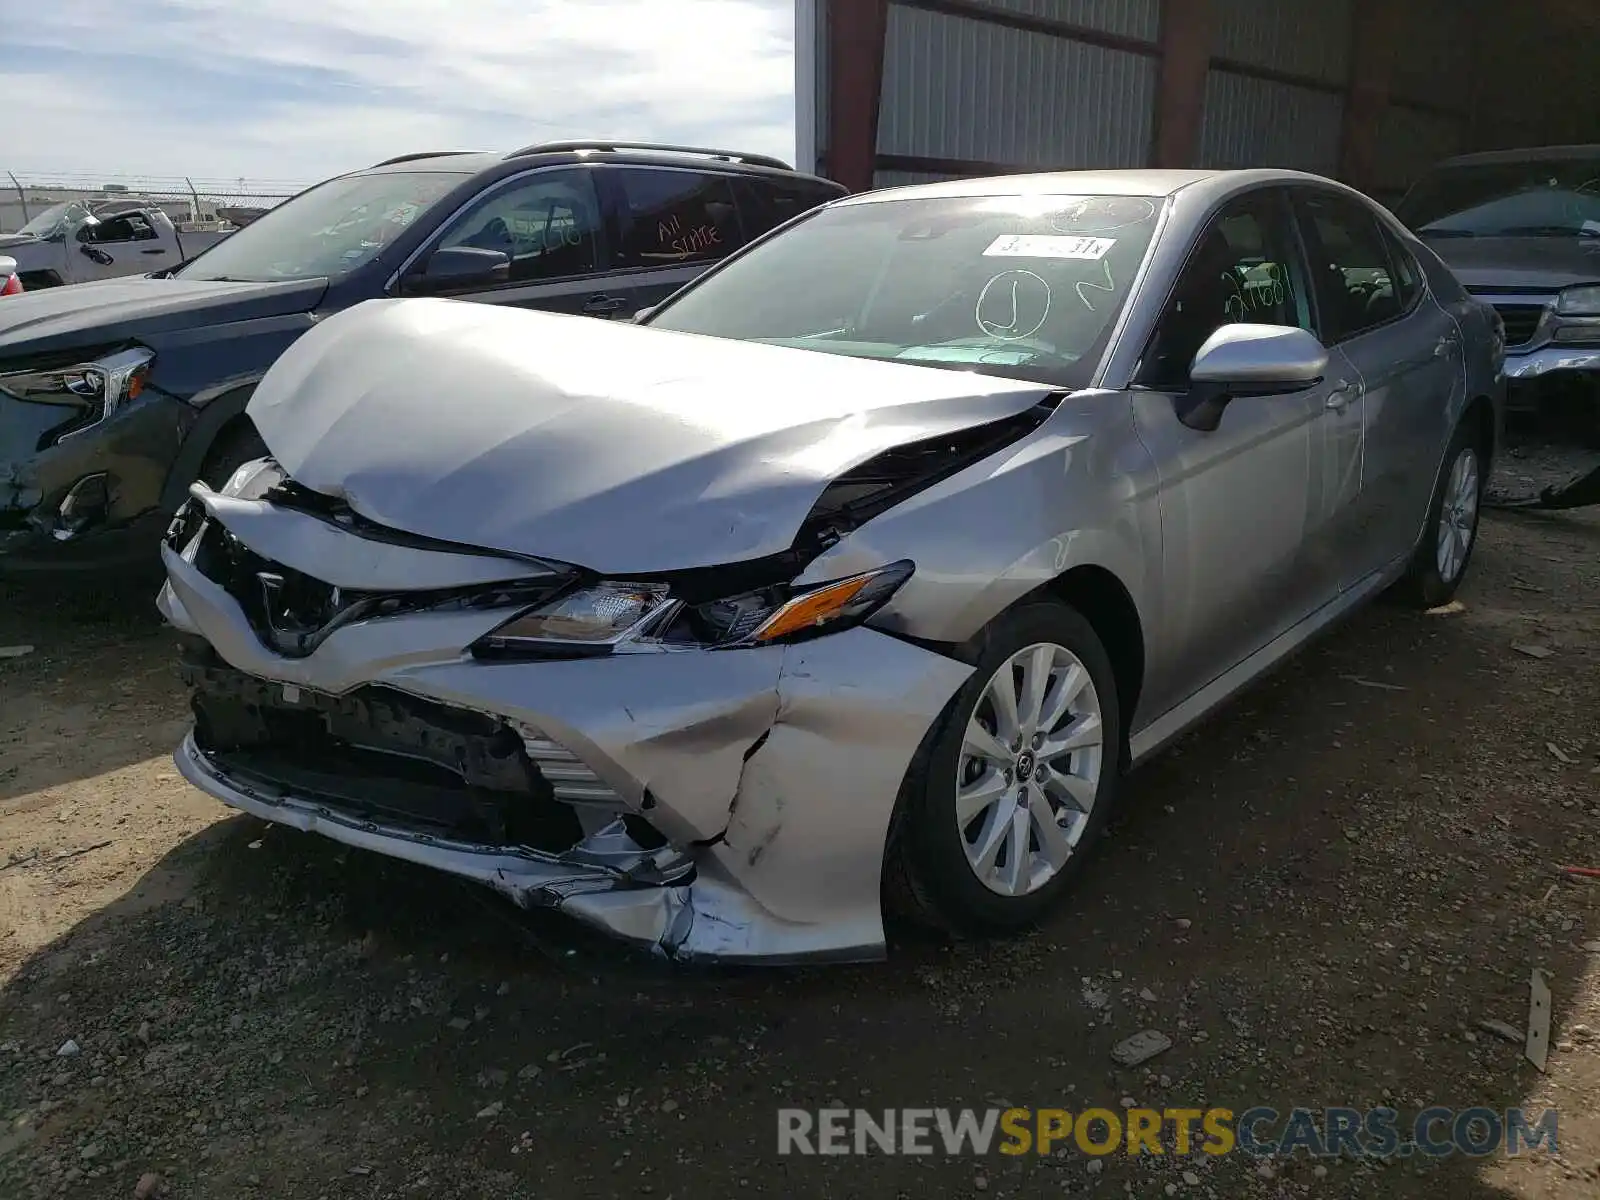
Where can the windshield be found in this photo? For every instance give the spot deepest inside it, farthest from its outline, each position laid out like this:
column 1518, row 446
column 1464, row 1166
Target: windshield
column 55, row 217
column 1025, row 287
column 1555, row 198
column 330, row 230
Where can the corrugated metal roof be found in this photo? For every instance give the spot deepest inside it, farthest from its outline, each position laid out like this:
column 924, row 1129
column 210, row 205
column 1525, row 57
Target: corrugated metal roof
column 956, row 88
column 1255, row 123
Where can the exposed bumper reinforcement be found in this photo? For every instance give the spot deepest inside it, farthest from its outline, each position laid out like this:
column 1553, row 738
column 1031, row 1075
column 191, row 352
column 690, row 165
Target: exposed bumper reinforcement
column 696, row 916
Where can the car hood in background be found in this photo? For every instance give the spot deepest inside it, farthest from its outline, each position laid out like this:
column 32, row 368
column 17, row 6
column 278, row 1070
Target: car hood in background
column 613, row 446
column 1520, row 262
column 10, row 240
column 82, row 314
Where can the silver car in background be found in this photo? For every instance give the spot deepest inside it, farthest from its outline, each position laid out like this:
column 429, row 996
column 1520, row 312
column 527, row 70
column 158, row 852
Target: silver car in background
column 859, row 572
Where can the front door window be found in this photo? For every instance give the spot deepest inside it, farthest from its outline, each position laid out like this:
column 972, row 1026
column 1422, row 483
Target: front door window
column 547, row 224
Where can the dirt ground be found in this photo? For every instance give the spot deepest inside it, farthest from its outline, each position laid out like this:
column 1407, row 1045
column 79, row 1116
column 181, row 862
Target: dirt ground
column 1319, row 896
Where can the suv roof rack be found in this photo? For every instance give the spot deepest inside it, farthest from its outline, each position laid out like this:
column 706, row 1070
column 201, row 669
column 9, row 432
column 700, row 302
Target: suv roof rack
column 389, row 162
column 754, row 160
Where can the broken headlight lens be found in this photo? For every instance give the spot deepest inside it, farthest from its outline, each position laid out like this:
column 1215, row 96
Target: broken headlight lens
column 609, row 617
column 1579, row 302
column 96, row 388
column 593, row 618
column 254, row 479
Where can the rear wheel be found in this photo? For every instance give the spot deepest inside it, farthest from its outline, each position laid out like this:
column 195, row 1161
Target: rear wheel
column 1451, row 534
column 1015, row 782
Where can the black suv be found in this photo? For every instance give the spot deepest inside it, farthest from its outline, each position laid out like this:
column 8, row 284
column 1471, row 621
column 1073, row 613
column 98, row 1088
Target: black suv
column 115, row 396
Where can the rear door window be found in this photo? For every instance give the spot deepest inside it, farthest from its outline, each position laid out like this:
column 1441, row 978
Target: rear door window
column 1407, row 274
column 673, row 218
column 767, row 203
column 1350, row 265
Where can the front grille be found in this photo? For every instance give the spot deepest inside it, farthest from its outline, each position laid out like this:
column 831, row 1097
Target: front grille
column 379, row 756
column 293, row 613
column 1521, row 310
column 1521, row 321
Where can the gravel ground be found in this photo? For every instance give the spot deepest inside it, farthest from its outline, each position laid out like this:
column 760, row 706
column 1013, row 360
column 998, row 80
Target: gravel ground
column 1318, row 896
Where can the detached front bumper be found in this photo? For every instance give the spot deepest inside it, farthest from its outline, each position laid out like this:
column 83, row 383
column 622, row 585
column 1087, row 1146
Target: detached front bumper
column 770, row 775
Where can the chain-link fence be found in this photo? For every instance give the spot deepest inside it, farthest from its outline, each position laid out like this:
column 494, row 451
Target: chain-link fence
column 25, row 195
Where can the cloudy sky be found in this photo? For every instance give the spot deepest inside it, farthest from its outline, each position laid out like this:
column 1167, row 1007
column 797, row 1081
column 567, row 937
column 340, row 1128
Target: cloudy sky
column 296, row 90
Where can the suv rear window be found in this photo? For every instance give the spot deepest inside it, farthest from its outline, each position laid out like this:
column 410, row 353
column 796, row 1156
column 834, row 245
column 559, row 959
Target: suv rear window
column 768, row 203
column 671, row 218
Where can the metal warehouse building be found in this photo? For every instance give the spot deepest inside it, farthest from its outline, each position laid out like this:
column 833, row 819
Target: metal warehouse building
column 1369, row 91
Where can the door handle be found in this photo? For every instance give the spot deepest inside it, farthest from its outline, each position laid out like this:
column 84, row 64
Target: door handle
column 152, row 252
column 603, row 305
column 1339, row 399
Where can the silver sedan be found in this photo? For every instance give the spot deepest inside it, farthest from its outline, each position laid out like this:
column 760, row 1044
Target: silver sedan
column 857, row 574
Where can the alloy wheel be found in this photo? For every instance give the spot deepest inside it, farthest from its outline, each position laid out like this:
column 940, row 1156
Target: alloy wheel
column 1029, row 770
column 1458, row 516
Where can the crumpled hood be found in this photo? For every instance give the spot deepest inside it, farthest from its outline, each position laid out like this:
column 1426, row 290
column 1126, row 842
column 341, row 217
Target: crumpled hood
column 81, row 314
column 1520, row 262
column 9, row 241
column 613, row 446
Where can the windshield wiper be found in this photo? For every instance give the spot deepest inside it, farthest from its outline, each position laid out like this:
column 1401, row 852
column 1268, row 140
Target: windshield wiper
column 1446, row 233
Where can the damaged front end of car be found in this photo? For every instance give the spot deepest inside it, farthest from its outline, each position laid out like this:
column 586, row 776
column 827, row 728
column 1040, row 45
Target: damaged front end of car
column 701, row 761
column 720, row 787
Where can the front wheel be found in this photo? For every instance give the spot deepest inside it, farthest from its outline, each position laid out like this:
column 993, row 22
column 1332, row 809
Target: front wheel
column 234, row 447
column 1016, row 781
column 1451, row 534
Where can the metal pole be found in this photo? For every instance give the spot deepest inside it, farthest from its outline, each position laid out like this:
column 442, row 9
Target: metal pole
column 194, row 202
column 21, row 195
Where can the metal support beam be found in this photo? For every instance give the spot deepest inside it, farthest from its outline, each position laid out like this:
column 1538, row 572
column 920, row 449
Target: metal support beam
column 857, row 32
column 1374, row 42
column 1187, row 29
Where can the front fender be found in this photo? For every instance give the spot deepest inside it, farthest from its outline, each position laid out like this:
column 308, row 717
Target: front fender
column 219, row 411
column 1079, row 491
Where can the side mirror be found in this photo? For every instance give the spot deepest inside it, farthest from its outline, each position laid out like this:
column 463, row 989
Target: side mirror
column 459, row 266
column 644, row 314
column 1249, row 360
column 8, row 267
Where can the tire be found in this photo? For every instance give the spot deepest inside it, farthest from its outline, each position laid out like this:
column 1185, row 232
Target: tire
column 1436, row 573
column 931, row 876
column 235, row 446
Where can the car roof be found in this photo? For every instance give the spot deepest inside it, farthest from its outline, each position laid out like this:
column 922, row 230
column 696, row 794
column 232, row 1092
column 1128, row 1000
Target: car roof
column 1530, row 154
column 462, row 162
column 1151, row 183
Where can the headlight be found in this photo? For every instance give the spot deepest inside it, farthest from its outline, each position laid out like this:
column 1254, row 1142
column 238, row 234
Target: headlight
column 97, row 388
column 254, row 479
column 591, row 619
column 613, row 616
column 1579, row 301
